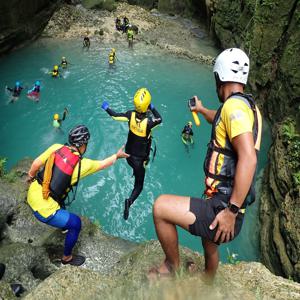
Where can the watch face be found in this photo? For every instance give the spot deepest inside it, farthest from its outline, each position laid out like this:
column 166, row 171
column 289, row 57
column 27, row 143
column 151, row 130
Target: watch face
column 233, row 208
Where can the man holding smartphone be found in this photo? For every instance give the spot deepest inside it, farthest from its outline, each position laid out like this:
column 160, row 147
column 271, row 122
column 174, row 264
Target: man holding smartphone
column 229, row 168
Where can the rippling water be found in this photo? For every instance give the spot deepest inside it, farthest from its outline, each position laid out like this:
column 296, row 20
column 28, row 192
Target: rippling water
column 26, row 129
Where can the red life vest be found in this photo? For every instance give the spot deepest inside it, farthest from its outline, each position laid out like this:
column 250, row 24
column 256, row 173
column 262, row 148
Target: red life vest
column 63, row 167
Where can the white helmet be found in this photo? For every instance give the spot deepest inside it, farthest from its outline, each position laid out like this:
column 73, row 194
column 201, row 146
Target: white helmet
column 232, row 65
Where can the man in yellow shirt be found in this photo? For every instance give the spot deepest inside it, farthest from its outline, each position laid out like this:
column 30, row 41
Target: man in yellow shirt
column 53, row 174
column 229, row 167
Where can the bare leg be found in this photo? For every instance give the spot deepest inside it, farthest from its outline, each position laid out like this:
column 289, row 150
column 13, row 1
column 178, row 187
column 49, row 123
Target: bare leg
column 169, row 211
column 211, row 258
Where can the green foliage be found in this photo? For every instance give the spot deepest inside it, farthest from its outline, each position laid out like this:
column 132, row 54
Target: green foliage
column 12, row 176
column 289, row 131
column 232, row 257
column 291, row 139
column 296, row 178
column 2, row 166
column 268, row 3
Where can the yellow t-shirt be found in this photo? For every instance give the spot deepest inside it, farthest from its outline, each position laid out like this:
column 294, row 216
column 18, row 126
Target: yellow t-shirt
column 49, row 206
column 236, row 118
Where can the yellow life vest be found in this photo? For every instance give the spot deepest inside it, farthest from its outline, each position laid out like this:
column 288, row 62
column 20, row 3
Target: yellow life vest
column 111, row 58
column 138, row 128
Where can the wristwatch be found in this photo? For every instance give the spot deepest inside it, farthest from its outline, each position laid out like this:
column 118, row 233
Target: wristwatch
column 233, row 208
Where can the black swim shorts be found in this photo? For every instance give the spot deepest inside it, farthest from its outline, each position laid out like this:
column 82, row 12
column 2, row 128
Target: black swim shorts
column 205, row 211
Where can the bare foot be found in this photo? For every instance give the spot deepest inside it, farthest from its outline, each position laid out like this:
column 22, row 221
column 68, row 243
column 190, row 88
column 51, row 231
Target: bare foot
column 191, row 267
column 163, row 271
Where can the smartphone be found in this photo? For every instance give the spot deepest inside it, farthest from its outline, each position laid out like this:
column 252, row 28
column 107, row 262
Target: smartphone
column 192, row 103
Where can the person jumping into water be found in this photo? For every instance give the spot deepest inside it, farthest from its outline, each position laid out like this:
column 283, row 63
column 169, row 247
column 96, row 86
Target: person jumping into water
column 141, row 121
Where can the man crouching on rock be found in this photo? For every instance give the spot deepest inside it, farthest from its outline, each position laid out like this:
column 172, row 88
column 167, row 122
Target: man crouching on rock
column 229, row 167
column 52, row 176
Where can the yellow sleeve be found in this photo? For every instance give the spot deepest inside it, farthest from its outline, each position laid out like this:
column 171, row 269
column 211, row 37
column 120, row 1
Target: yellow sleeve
column 44, row 156
column 121, row 119
column 237, row 117
column 88, row 167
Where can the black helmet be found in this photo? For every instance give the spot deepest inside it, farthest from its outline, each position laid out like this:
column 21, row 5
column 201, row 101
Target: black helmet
column 79, row 135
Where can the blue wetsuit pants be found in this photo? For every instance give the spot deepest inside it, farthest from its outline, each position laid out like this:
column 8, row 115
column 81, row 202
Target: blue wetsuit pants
column 64, row 220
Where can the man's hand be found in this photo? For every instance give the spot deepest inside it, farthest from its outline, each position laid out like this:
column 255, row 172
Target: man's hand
column 29, row 178
column 225, row 221
column 198, row 105
column 121, row 153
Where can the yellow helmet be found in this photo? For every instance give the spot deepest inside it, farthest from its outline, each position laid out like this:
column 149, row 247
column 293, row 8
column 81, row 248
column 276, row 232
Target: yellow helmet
column 56, row 117
column 190, row 123
column 142, row 100
column 113, row 50
column 55, row 67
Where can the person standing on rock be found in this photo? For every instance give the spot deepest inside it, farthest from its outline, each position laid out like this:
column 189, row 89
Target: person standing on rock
column 229, row 167
column 141, row 121
column 130, row 34
column 53, row 174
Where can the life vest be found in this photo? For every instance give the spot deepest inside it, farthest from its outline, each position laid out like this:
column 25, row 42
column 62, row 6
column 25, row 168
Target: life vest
column 111, row 58
column 223, row 180
column 56, row 123
column 130, row 34
column 64, row 164
column 64, row 63
column 54, row 73
column 138, row 141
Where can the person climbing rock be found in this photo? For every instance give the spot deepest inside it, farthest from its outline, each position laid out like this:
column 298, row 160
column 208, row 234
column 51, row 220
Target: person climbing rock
column 141, row 121
column 52, row 175
column 229, row 167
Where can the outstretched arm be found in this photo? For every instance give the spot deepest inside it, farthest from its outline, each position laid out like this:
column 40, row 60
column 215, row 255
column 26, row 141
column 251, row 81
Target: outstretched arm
column 125, row 117
column 208, row 114
column 107, row 162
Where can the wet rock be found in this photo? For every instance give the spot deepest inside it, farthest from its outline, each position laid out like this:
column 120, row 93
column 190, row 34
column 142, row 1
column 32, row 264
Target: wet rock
column 128, row 280
column 6, row 291
column 177, row 36
column 21, row 22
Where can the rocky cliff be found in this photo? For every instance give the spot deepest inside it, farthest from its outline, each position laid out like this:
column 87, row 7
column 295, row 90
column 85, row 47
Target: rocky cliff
column 22, row 21
column 270, row 32
column 115, row 268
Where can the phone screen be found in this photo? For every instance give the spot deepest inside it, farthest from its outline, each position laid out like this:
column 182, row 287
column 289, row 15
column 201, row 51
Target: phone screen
column 192, row 102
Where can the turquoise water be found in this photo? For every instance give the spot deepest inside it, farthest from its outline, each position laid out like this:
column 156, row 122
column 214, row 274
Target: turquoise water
column 27, row 129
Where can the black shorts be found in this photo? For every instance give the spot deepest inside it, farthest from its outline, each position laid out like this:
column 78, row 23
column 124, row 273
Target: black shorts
column 205, row 211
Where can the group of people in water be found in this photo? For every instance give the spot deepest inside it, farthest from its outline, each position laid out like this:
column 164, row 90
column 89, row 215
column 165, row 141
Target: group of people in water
column 32, row 94
column 229, row 169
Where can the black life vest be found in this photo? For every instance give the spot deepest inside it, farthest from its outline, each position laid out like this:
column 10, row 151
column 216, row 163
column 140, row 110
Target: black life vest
column 226, row 175
column 64, row 164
